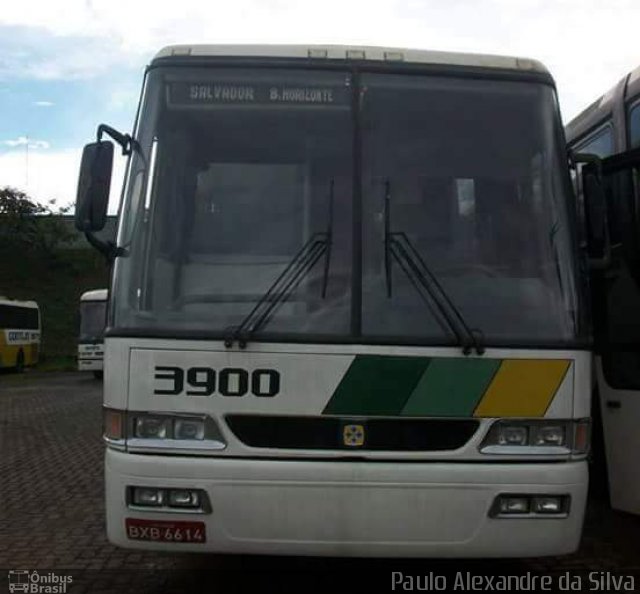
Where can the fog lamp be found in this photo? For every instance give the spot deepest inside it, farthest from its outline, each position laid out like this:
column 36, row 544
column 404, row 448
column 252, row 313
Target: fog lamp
column 148, row 497
column 184, row 498
column 510, row 504
column 548, row 505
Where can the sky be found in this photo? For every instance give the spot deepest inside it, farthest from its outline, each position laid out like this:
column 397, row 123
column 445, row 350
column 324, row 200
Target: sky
column 68, row 65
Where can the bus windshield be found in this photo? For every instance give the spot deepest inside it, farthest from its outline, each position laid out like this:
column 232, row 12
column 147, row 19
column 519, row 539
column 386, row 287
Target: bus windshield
column 242, row 169
column 92, row 320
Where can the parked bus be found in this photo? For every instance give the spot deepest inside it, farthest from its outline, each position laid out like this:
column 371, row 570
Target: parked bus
column 611, row 126
column 93, row 309
column 347, row 314
column 19, row 334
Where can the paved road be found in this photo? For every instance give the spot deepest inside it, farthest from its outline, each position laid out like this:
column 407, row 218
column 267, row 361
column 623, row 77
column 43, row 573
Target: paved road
column 52, row 516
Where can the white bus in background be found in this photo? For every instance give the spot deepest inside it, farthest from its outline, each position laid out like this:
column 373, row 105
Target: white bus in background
column 347, row 310
column 93, row 308
column 19, row 334
column 610, row 128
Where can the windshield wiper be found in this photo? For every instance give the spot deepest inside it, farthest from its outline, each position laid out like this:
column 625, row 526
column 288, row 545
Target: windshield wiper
column 398, row 246
column 301, row 264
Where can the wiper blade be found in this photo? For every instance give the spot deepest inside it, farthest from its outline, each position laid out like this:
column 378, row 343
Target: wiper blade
column 327, row 259
column 301, row 264
column 280, row 290
column 398, row 246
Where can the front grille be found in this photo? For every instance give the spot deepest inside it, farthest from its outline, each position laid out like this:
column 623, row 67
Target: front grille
column 331, row 433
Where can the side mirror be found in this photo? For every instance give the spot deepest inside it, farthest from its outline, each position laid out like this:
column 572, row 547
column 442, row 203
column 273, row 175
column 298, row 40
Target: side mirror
column 595, row 209
column 596, row 212
column 94, row 183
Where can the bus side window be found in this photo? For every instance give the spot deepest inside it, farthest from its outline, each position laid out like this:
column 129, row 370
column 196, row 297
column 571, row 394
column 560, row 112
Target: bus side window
column 634, row 126
column 600, row 144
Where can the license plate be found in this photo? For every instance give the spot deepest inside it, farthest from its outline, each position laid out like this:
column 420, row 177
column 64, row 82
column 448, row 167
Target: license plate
column 165, row 531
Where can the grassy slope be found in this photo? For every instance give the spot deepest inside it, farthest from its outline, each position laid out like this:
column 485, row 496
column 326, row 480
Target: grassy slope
column 56, row 283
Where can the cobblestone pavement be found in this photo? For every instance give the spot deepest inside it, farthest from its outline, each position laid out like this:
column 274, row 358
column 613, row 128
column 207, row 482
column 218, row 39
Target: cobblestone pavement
column 52, row 517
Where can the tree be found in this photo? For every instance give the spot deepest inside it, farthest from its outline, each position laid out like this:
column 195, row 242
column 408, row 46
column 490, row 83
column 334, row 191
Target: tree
column 28, row 225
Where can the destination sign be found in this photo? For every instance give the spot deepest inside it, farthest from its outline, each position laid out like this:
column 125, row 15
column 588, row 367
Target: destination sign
column 223, row 93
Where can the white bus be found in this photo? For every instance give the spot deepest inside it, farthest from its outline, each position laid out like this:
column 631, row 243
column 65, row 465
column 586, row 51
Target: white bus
column 346, row 313
column 19, row 334
column 93, row 309
column 610, row 128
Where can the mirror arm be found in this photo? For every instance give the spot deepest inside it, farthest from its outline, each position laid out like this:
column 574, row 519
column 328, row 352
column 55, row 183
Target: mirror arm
column 587, row 159
column 126, row 142
column 107, row 248
column 601, row 263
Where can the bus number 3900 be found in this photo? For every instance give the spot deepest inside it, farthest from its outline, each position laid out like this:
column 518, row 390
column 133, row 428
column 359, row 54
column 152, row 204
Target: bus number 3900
column 204, row 381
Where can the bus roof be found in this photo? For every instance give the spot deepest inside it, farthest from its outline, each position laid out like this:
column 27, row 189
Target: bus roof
column 345, row 52
column 598, row 111
column 16, row 303
column 95, row 295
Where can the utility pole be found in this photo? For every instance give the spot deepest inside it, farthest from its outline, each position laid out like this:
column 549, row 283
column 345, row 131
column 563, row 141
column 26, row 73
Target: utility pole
column 26, row 169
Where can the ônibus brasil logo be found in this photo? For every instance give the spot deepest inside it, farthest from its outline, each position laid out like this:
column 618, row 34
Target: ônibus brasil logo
column 24, row 580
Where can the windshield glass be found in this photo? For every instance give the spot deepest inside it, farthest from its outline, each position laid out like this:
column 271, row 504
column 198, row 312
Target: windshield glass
column 475, row 192
column 242, row 170
column 92, row 320
column 246, row 168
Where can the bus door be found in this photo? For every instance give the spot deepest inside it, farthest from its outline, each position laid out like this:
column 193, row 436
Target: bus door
column 615, row 281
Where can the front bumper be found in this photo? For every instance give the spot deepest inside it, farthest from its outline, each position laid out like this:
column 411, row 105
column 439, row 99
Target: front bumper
column 345, row 508
column 90, row 364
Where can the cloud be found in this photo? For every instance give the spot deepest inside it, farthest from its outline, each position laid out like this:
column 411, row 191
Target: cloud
column 43, row 103
column 52, row 175
column 587, row 44
column 26, row 142
column 37, row 53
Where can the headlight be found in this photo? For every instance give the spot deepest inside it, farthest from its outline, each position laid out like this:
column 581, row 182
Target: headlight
column 145, row 431
column 153, row 427
column 554, row 435
column 188, row 429
column 512, row 435
column 539, row 436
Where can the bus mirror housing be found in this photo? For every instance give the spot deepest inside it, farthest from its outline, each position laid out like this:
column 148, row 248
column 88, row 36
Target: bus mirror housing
column 94, row 183
column 596, row 218
column 595, row 210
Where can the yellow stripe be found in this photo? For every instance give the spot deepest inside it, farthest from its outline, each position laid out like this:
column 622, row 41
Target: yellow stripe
column 522, row 388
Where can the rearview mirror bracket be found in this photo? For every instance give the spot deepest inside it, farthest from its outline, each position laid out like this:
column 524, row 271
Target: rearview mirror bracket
column 107, row 248
column 126, row 142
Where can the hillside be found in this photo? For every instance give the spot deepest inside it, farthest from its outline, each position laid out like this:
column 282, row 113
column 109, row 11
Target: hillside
column 56, row 282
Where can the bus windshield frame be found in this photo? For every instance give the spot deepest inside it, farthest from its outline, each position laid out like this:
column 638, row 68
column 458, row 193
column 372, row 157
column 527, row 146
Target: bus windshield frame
column 336, row 139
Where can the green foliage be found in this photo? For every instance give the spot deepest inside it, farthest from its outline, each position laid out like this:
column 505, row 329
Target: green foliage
column 38, row 260
column 55, row 278
column 27, row 225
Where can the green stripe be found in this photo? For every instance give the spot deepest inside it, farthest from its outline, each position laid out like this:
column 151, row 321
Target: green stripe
column 376, row 385
column 451, row 387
